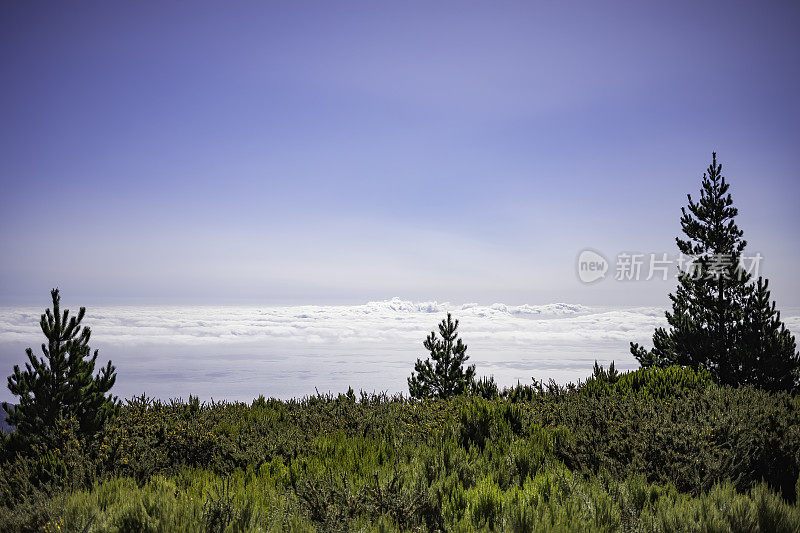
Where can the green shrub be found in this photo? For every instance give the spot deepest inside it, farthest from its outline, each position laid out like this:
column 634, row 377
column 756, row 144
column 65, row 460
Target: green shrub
column 486, row 509
column 630, row 459
column 653, row 382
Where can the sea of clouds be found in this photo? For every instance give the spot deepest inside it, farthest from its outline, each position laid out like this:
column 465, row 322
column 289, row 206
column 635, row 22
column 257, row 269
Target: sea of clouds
column 238, row 353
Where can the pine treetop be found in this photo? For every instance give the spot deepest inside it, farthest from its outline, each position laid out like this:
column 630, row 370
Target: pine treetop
column 710, row 223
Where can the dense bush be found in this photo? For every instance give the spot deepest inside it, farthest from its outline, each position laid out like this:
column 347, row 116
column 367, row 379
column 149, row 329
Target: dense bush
column 654, row 450
column 654, row 382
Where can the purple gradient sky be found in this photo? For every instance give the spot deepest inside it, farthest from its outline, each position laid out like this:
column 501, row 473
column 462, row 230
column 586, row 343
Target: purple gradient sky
column 340, row 152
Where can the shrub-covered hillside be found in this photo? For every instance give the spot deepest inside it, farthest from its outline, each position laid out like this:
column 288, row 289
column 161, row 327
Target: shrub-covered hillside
column 661, row 449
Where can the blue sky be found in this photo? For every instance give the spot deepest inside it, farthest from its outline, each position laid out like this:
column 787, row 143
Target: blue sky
column 342, row 152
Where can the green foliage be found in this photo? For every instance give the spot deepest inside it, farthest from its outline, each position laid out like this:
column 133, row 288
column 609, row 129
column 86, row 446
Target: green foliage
column 695, row 440
column 486, row 509
column 61, row 384
column 481, row 421
column 659, row 449
column 768, row 357
column 551, row 500
column 485, row 388
column 720, row 320
column 654, row 382
column 443, row 374
column 221, row 509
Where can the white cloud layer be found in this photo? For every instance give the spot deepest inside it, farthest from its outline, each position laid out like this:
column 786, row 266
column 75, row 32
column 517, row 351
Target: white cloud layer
column 241, row 352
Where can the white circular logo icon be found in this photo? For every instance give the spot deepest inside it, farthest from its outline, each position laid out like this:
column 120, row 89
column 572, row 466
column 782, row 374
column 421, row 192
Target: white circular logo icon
column 591, row 266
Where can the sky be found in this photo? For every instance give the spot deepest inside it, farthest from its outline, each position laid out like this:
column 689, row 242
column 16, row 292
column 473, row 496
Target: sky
column 265, row 153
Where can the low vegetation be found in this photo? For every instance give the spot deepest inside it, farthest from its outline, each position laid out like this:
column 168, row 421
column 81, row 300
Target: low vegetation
column 660, row 449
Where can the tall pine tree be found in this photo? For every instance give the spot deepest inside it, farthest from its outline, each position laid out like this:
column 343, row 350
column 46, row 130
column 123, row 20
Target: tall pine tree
column 720, row 319
column 443, row 374
column 62, row 383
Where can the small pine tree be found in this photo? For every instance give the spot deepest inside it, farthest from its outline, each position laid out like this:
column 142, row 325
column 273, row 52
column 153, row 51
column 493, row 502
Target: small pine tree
column 61, row 384
column 442, row 375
